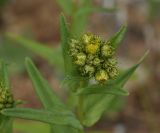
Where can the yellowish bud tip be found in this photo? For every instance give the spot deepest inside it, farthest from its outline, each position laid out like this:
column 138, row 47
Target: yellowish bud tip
column 92, row 48
column 101, row 76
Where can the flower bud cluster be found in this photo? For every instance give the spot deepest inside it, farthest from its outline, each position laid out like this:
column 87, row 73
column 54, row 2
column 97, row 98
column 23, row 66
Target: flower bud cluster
column 6, row 99
column 94, row 57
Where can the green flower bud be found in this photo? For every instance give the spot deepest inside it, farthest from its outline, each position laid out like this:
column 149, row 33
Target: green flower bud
column 86, row 38
column 101, row 76
column 107, row 51
column 90, row 59
column 74, row 42
column 112, row 72
column 6, row 99
column 80, row 59
column 75, row 45
column 96, row 61
column 88, row 70
column 111, row 62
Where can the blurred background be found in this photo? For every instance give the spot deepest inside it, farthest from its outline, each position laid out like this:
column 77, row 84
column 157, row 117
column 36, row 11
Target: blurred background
column 38, row 22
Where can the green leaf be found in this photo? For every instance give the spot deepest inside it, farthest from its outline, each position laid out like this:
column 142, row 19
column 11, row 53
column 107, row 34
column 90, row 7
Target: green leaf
column 46, row 116
column 66, row 5
column 94, row 106
column 103, row 89
column 64, row 43
column 4, row 75
column 48, row 98
column 65, row 35
column 42, row 88
column 118, row 37
column 5, row 124
column 123, row 78
column 53, row 56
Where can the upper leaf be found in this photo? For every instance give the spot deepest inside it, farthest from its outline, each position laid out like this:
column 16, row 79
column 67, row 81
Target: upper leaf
column 118, row 37
column 65, row 44
column 123, row 78
column 66, row 5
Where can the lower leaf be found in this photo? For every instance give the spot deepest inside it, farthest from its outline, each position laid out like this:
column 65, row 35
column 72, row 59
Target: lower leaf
column 43, row 116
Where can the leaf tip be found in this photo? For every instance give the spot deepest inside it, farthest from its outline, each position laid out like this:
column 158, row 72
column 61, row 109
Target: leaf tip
column 144, row 56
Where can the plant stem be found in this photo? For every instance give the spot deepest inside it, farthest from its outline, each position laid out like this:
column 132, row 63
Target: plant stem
column 81, row 102
column 80, row 107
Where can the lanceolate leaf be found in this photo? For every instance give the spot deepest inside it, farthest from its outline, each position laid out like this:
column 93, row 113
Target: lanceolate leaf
column 65, row 35
column 48, row 98
column 43, row 116
column 4, row 74
column 103, row 89
column 53, row 56
column 66, row 5
column 123, row 78
column 65, row 44
column 94, row 107
column 118, row 37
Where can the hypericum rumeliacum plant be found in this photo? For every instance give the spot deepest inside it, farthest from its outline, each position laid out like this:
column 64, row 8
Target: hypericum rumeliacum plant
column 84, row 58
column 94, row 57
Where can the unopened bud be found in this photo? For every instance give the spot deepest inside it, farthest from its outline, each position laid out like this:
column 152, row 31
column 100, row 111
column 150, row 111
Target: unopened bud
column 101, row 76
